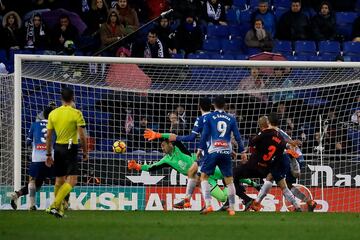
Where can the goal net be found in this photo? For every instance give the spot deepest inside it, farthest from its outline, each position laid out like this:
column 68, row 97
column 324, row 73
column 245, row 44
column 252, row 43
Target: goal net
column 6, row 136
column 318, row 103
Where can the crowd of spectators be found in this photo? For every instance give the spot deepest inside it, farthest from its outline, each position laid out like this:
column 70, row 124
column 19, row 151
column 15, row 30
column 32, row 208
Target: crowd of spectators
column 27, row 25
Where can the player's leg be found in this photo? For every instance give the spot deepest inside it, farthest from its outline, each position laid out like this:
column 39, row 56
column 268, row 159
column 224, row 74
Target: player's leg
column 265, row 188
column 252, row 183
column 32, row 192
column 240, row 172
column 191, row 184
column 290, row 180
column 219, row 194
column 279, row 169
column 207, row 169
column 225, row 164
column 288, row 194
column 17, row 194
column 66, row 170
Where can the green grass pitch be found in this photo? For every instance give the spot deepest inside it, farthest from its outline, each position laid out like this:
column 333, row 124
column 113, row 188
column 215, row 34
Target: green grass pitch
column 182, row 225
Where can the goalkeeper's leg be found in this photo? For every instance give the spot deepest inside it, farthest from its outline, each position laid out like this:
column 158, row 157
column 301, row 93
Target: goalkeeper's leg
column 193, row 180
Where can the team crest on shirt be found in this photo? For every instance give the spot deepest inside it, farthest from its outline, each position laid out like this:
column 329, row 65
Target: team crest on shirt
column 182, row 164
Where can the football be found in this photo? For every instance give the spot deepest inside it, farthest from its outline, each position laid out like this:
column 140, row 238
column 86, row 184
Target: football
column 119, row 147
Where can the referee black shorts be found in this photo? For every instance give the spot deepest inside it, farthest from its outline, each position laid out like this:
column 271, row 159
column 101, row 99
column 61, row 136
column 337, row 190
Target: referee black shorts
column 66, row 160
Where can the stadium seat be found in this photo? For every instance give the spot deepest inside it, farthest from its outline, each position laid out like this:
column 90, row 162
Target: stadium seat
column 283, row 47
column 254, row 4
column 241, row 4
column 326, row 58
column 222, row 56
column 351, row 48
column 178, row 56
column 198, row 56
column 281, row 4
column 239, row 30
column 297, row 58
column 241, row 57
column 231, row 46
column 279, row 12
column 305, row 48
column 344, row 21
column 231, row 16
column 245, row 16
column 217, row 31
column 212, row 45
column 329, row 48
column 252, row 51
column 3, row 57
column 354, row 59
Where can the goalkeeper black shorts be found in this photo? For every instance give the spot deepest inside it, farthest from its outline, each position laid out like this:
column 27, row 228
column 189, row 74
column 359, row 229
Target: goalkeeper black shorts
column 66, row 160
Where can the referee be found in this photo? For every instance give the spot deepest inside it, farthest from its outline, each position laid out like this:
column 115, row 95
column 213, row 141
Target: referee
column 68, row 124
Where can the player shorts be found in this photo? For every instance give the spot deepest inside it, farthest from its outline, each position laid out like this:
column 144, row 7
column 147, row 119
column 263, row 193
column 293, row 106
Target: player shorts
column 222, row 160
column 200, row 162
column 39, row 170
column 280, row 167
column 66, row 160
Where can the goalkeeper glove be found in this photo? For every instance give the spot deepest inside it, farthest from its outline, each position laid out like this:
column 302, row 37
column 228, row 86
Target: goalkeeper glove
column 151, row 135
column 132, row 164
column 292, row 153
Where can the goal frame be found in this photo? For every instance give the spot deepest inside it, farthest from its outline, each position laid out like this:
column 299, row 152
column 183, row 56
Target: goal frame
column 194, row 62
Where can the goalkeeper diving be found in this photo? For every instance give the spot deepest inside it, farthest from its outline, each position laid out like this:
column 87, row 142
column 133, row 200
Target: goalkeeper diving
column 179, row 158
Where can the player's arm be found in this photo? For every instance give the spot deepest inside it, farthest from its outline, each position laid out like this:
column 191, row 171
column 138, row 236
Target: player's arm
column 49, row 160
column 204, row 136
column 82, row 135
column 194, row 132
column 164, row 162
column 49, row 136
column 240, row 143
column 237, row 136
column 150, row 135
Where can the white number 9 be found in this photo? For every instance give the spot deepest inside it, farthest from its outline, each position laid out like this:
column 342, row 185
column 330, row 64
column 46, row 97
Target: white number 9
column 221, row 127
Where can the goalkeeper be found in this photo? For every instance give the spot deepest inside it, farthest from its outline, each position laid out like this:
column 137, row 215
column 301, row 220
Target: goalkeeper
column 180, row 159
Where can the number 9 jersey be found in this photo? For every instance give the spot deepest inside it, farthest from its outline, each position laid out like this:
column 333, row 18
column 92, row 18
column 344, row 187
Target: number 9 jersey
column 216, row 135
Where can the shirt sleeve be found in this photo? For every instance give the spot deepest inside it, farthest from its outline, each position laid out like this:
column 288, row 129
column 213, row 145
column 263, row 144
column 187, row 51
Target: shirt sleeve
column 157, row 165
column 204, row 135
column 81, row 120
column 237, row 136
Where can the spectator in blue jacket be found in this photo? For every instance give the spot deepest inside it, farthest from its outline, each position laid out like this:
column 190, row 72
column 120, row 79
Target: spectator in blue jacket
column 266, row 15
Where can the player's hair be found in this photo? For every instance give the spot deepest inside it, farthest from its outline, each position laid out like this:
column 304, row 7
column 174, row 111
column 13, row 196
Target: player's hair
column 67, row 94
column 273, row 119
column 47, row 111
column 205, row 104
column 219, row 102
column 263, row 122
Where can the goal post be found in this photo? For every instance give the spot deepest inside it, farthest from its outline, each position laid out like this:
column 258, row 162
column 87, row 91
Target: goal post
column 120, row 97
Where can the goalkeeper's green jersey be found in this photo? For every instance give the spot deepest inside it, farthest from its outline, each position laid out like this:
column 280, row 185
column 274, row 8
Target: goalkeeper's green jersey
column 179, row 161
